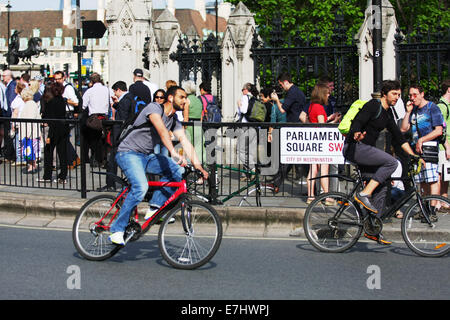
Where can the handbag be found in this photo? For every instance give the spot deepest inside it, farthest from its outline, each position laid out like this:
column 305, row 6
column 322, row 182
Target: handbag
column 28, row 153
column 430, row 151
column 94, row 122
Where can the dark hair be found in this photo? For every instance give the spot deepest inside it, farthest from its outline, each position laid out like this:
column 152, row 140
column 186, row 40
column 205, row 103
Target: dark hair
column 285, row 76
column 119, row 85
column 61, row 73
column 172, row 91
column 206, row 86
column 160, row 90
column 26, row 77
column 389, row 85
column 417, row 86
column 52, row 89
column 254, row 90
column 445, row 85
column 266, row 92
column 325, row 79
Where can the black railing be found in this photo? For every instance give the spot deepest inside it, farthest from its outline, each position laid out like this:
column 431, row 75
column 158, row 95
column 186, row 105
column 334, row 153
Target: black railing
column 423, row 58
column 218, row 146
column 307, row 60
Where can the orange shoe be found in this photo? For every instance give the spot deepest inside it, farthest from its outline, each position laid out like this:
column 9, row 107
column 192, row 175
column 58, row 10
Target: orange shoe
column 378, row 238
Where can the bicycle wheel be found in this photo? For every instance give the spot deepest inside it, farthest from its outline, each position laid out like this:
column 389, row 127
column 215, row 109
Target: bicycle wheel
column 334, row 225
column 90, row 230
column 423, row 238
column 254, row 198
column 193, row 238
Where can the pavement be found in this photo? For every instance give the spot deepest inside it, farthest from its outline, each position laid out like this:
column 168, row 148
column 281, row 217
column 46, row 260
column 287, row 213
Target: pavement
column 57, row 209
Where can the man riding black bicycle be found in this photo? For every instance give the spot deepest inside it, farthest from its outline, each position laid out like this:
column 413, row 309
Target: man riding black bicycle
column 136, row 157
column 359, row 147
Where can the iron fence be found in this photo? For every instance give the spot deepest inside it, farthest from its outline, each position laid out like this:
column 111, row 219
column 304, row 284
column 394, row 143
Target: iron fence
column 423, row 58
column 219, row 146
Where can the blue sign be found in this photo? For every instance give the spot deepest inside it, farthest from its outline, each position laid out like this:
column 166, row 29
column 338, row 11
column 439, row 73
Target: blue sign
column 86, row 62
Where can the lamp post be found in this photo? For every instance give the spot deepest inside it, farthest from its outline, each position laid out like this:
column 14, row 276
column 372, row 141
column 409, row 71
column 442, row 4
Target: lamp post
column 8, row 7
column 377, row 45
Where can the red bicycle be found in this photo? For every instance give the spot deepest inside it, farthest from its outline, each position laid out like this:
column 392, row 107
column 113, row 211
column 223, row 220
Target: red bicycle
column 190, row 231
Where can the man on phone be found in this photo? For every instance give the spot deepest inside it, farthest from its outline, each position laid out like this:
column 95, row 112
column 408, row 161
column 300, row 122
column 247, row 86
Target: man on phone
column 425, row 120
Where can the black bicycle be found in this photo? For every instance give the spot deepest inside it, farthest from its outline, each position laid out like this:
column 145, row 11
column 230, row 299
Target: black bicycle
column 334, row 221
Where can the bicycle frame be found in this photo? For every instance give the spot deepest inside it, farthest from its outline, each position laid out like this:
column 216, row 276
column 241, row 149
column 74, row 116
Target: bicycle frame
column 170, row 203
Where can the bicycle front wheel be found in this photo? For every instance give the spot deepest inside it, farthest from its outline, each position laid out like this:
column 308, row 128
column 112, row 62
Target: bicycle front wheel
column 90, row 230
column 193, row 237
column 428, row 238
column 332, row 222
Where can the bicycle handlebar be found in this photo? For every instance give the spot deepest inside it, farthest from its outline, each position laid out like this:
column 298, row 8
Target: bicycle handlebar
column 190, row 169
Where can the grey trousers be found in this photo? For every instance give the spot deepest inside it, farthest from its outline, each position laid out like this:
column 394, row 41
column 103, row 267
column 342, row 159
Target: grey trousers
column 373, row 160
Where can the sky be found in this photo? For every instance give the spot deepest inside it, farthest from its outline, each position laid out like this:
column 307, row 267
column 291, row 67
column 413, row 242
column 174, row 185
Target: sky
column 29, row 5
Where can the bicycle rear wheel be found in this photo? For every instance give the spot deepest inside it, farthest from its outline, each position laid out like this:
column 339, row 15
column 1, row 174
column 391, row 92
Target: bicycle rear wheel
column 333, row 222
column 193, row 238
column 428, row 239
column 90, row 230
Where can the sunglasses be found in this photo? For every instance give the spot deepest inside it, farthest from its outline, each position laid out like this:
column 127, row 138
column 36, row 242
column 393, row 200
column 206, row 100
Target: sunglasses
column 159, row 97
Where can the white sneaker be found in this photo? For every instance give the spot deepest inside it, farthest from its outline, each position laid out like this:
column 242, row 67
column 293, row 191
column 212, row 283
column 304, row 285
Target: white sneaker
column 150, row 213
column 117, row 238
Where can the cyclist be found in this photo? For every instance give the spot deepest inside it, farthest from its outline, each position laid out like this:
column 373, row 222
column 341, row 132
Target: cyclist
column 359, row 146
column 135, row 157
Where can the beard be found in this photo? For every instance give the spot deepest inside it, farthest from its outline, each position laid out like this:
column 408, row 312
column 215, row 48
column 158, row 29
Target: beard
column 177, row 107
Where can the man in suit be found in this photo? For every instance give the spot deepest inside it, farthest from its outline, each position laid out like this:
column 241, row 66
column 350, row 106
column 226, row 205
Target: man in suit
column 10, row 92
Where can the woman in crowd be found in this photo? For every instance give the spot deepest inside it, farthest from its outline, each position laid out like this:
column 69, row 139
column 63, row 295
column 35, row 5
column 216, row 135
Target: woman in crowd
column 54, row 107
column 317, row 114
column 29, row 132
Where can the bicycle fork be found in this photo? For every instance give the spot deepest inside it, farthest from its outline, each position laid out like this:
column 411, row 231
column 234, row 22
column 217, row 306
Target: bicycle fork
column 186, row 218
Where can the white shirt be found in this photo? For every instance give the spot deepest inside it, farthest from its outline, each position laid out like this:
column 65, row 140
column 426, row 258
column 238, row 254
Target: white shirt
column 400, row 111
column 3, row 101
column 244, row 106
column 152, row 86
column 69, row 94
column 97, row 99
column 18, row 104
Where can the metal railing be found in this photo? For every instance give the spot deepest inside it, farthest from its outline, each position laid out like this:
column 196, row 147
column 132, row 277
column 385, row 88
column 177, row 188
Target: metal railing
column 221, row 147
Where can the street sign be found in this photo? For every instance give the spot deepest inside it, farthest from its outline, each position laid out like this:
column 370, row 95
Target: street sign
column 87, row 62
column 93, row 29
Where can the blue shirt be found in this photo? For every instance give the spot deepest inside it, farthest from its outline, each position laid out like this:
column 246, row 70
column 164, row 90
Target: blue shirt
column 427, row 118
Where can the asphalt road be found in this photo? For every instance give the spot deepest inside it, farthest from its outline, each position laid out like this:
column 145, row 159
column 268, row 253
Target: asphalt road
column 38, row 263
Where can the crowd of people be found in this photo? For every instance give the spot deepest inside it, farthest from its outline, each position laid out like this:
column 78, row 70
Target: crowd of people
column 56, row 98
column 418, row 125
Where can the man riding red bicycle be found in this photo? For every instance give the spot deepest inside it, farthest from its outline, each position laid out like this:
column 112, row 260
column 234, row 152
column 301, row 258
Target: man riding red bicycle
column 136, row 157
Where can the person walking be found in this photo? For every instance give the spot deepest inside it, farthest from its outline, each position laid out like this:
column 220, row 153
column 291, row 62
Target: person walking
column 29, row 132
column 96, row 101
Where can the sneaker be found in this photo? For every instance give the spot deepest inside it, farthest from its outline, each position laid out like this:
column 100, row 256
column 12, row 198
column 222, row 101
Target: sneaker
column 117, row 238
column 150, row 212
column 60, row 181
column 379, row 238
column 44, row 180
column 364, row 200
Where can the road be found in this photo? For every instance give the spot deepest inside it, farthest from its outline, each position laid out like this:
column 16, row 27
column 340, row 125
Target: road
column 41, row 263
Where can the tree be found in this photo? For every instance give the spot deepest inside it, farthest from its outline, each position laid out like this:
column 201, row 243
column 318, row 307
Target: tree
column 316, row 18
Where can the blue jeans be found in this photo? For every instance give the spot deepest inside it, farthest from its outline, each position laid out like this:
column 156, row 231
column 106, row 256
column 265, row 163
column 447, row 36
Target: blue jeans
column 135, row 166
